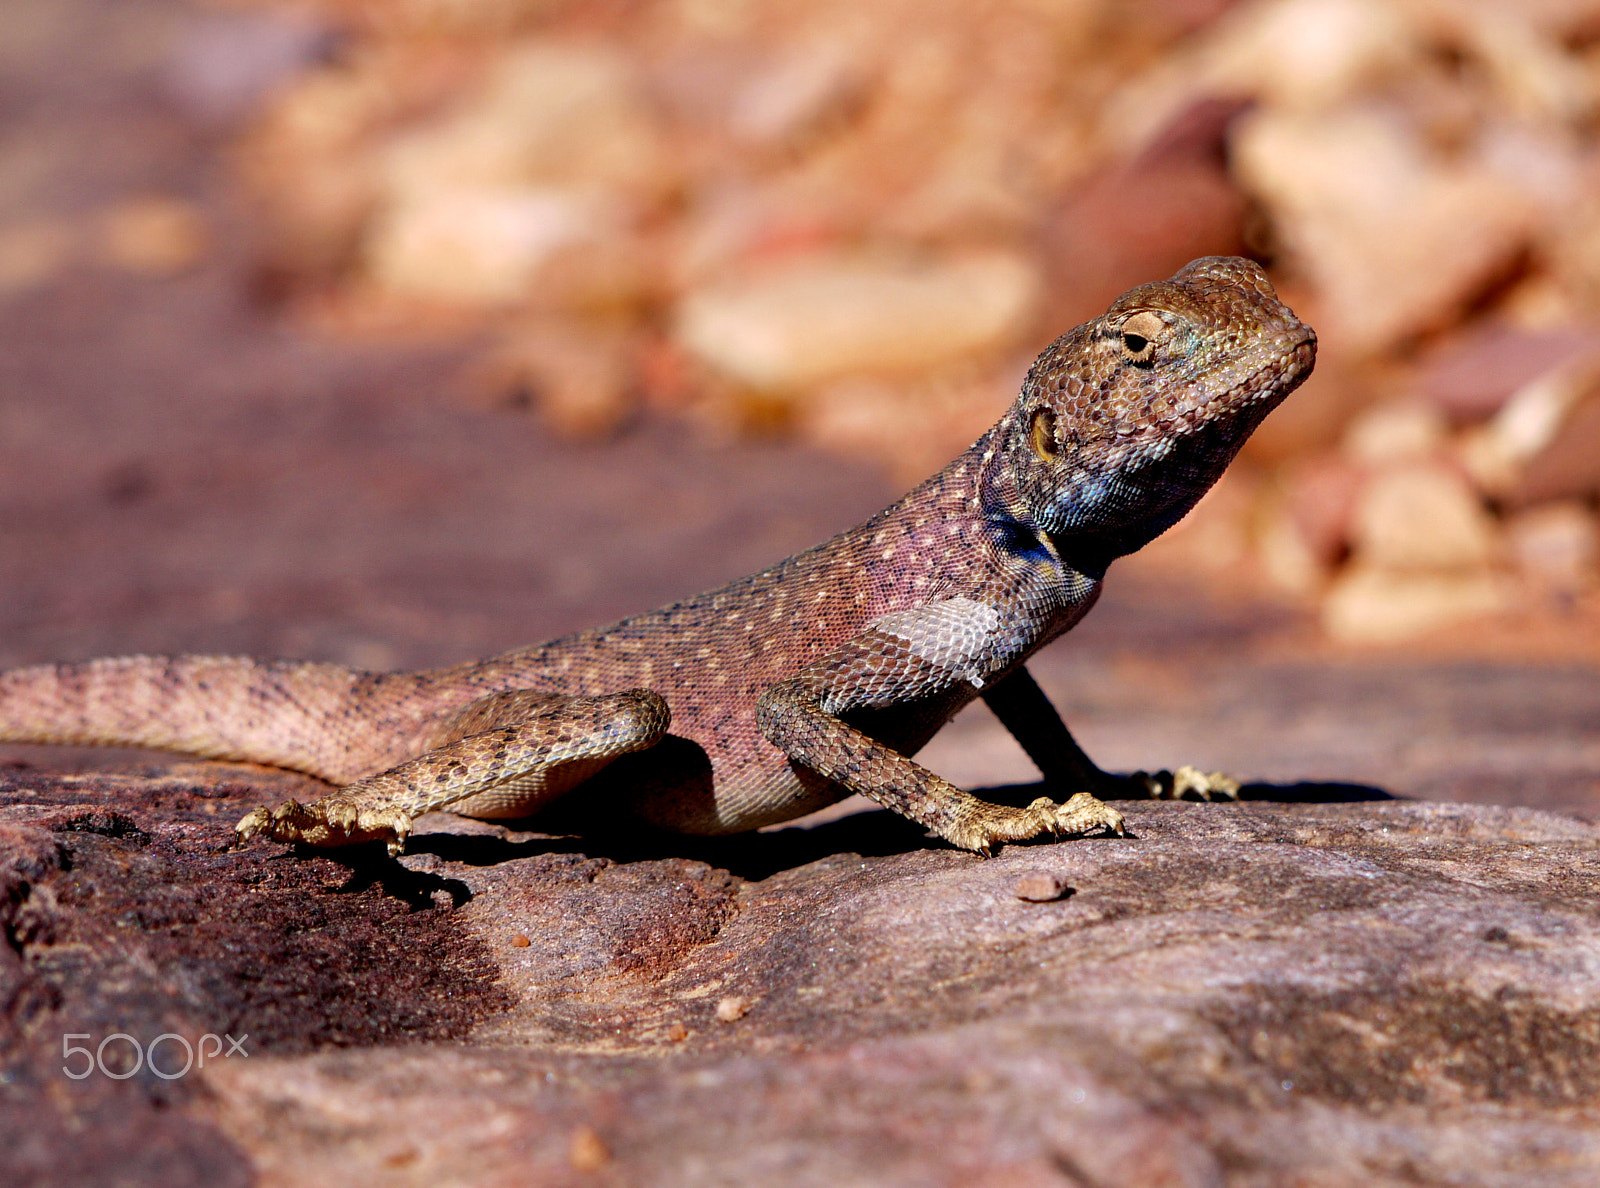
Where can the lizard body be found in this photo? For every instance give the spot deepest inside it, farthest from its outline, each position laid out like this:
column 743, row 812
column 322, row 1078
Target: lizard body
column 779, row 693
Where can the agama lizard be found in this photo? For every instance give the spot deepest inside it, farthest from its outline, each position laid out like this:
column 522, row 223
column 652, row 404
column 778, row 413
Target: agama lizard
column 782, row 692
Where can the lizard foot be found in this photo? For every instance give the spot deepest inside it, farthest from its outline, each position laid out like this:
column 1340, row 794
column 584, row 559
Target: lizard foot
column 331, row 821
column 1081, row 814
column 1186, row 781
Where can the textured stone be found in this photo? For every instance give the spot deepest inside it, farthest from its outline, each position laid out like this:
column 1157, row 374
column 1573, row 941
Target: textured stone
column 1040, row 886
column 1341, row 1004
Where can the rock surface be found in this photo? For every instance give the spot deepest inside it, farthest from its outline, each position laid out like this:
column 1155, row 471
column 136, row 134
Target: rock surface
column 1262, row 993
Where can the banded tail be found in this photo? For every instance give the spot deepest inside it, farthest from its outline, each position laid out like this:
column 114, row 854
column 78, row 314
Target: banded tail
column 292, row 714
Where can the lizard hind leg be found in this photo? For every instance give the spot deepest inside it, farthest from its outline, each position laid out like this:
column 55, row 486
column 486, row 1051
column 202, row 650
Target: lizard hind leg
column 505, row 755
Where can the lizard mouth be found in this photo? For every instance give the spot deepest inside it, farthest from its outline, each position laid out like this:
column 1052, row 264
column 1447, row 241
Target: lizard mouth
column 1266, row 385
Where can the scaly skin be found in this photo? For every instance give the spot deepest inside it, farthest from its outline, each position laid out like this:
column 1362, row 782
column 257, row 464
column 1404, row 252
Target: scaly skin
column 781, row 692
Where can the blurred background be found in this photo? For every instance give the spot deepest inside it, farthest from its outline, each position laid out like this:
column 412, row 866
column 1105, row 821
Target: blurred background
column 394, row 331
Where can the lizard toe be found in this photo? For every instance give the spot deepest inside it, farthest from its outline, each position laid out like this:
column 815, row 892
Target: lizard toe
column 1205, row 785
column 329, row 822
column 1084, row 813
column 252, row 825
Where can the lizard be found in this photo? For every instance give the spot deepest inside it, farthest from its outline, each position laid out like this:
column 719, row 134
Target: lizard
column 785, row 691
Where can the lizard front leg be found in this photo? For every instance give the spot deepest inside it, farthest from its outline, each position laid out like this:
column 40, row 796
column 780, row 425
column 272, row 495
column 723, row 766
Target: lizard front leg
column 900, row 659
column 1025, row 711
column 505, row 755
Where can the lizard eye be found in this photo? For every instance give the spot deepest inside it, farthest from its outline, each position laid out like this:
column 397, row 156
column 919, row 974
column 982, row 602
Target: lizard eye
column 1042, row 433
column 1138, row 337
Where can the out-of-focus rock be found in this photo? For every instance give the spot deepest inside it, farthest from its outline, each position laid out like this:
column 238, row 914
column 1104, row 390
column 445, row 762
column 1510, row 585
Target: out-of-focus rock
column 1557, row 545
column 826, row 318
column 805, row 89
column 587, row 1151
column 1146, row 217
column 1570, row 464
column 34, row 251
column 1575, row 253
column 579, row 378
column 1314, row 418
column 1423, row 556
column 1321, row 495
column 1288, row 53
column 1306, row 530
column 1526, row 69
column 1287, row 558
column 1472, row 375
column 309, row 162
column 1544, row 162
column 1395, row 431
column 1315, row 55
column 156, row 236
column 1421, row 517
column 1215, row 537
column 1369, row 604
column 1395, row 239
column 548, row 114
column 914, row 424
column 1539, row 423
column 557, row 149
column 478, row 246
column 225, row 63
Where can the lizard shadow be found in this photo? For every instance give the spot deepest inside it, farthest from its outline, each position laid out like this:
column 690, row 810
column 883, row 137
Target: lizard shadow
column 370, row 865
column 751, row 856
column 871, row 833
column 1300, row 792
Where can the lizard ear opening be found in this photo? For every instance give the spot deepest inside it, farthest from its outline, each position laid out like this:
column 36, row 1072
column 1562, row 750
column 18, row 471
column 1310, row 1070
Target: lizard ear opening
column 1042, row 433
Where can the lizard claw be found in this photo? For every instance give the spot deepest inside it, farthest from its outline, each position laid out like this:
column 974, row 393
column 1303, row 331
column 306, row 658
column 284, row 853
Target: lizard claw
column 252, row 825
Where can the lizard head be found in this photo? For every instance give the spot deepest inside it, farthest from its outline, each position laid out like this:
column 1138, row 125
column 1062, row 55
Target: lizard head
column 1124, row 422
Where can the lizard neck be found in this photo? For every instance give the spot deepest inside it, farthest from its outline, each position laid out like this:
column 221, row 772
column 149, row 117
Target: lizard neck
column 1106, row 511
column 1010, row 551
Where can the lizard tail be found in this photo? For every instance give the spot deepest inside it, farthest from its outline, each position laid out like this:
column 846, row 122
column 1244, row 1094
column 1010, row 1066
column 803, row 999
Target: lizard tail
column 292, row 714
